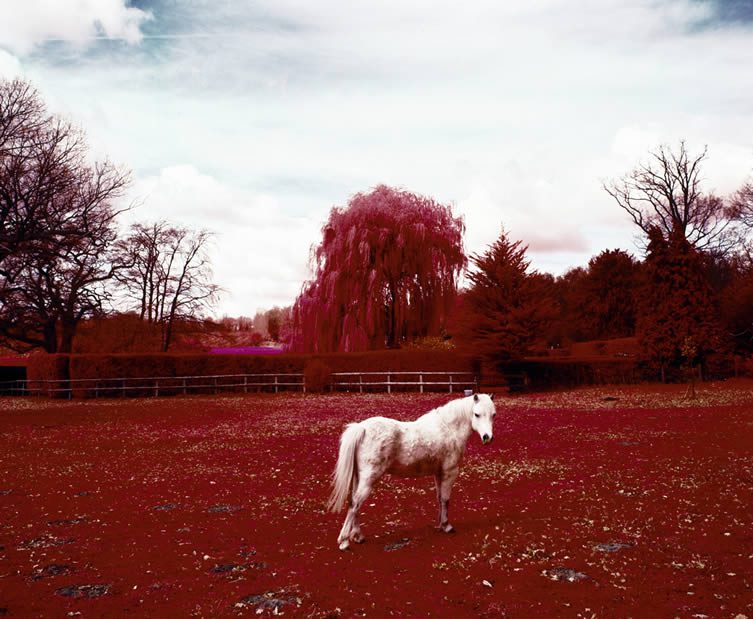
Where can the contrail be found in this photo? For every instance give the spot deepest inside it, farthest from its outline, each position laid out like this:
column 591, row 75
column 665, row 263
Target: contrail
column 181, row 35
column 178, row 35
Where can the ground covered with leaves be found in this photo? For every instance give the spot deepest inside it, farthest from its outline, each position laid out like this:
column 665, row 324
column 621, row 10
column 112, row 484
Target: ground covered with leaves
column 591, row 503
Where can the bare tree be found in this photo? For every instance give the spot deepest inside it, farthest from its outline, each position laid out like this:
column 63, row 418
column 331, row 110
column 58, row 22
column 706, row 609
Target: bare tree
column 666, row 193
column 169, row 274
column 742, row 205
column 57, row 223
column 188, row 288
column 141, row 250
column 39, row 157
column 58, row 288
column 22, row 115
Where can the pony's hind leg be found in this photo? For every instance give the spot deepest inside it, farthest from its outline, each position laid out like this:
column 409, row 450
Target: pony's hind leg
column 342, row 539
column 444, row 489
column 351, row 530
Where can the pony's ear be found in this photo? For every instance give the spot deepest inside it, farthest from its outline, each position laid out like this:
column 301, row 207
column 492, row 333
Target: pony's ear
column 475, row 397
column 491, row 396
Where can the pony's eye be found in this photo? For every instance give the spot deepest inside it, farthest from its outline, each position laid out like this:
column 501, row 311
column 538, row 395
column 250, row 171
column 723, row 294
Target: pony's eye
column 476, row 415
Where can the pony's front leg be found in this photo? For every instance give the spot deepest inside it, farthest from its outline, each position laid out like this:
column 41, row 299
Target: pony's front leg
column 438, row 486
column 444, row 489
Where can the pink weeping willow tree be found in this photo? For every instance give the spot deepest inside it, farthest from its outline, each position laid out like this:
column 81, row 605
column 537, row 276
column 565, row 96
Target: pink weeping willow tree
column 385, row 272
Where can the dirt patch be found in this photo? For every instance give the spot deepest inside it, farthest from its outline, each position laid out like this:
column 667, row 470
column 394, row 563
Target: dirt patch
column 83, row 591
column 565, row 574
column 51, row 570
column 401, row 543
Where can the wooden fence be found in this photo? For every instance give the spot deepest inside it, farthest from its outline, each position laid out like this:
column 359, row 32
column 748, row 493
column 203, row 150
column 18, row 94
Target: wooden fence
column 157, row 386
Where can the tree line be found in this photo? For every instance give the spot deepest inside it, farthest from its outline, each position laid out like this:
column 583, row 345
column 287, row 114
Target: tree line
column 63, row 256
column 388, row 271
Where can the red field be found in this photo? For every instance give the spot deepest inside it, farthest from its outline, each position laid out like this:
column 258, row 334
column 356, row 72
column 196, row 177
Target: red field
column 584, row 506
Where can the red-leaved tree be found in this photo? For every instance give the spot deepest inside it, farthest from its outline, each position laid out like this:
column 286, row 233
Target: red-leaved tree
column 385, row 273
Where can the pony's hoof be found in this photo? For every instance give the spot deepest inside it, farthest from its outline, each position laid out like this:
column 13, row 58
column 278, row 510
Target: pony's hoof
column 344, row 545
column 359, row 538
column 448, row 528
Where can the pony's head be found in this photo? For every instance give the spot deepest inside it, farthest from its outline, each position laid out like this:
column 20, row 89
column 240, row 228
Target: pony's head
column 482, row 416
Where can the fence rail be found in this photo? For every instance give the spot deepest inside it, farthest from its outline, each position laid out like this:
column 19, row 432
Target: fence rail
column 156, row 386
column 355, row 380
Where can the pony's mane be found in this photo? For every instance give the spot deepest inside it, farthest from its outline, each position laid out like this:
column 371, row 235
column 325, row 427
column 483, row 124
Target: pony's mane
column 454, row 407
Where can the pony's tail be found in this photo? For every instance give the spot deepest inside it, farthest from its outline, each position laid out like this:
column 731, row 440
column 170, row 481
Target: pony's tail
column 346, row 469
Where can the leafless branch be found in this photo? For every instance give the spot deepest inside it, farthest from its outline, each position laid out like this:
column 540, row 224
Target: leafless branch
column 666, row 193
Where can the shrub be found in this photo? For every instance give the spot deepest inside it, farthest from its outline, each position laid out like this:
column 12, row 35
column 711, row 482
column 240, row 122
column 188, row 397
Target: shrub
column 317, row 376
column 745, row 366
column 49, row 375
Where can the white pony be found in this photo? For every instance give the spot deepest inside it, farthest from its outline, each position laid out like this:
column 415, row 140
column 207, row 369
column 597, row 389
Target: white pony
column 433, row 444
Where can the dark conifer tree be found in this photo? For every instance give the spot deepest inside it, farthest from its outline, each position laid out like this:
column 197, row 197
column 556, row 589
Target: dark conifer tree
column 607, row 304
column 507, row 305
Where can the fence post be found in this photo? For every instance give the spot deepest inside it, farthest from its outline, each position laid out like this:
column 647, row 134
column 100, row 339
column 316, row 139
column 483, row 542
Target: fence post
column 96, row 389
column 184, row 386
column 360, row 383
column 389, row 383
column 450, row 383
column 156, row 387
column 245, row 384
column 275, row 383
column 421, row 381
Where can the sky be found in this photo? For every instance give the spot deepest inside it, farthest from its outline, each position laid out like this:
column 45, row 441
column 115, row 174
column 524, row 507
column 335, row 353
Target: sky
column 253, row 119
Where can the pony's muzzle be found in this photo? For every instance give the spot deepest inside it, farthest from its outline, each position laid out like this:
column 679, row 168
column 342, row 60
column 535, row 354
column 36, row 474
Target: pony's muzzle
column 486, row 439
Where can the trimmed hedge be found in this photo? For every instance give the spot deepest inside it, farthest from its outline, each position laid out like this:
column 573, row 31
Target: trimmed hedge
column 399, row 361
column 108, row 369
column 537, row 374
column 158, row 364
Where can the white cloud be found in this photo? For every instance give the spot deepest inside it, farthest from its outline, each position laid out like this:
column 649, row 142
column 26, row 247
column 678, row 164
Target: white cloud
column 253, row 119
column 10, row 66
column 259, row 254
column 33, row 22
